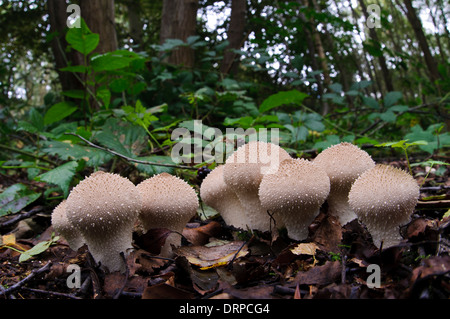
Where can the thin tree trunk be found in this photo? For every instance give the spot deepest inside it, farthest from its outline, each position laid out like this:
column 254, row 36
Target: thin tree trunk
column 100, row 18
column 58, row 24
column 135, row 22
column 178, row 21
column 236, row 36
column 381, row 59
column 423, row 43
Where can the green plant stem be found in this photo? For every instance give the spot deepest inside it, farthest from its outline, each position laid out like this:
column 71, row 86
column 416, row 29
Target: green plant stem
column 407, row 161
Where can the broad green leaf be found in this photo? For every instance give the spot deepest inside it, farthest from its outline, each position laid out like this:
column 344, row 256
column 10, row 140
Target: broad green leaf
column 371, row 102
column 109, row 62
column 330, row 140
column 76, row 94
column 282, row 98
column 15, row 198
column 388, row 116
column 105, row 96
column 399, row 108
column 60, row 176
column 82, row 39
column 75, row 68
column 391, row 98
column 336, row 87
column 70, row 151
column 155, row 169
column 58, row 112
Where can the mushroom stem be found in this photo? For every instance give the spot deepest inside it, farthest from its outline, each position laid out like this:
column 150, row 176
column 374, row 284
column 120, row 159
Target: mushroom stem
column 107, row 250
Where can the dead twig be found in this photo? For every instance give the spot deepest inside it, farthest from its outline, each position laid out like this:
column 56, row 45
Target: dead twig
column 33, row 274
column 22, row 216
column 129, row 158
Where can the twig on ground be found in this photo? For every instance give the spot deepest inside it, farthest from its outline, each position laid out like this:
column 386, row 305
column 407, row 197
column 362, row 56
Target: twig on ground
column 19, row 285
column 129, row 158
column 22, row 216
column 54, row 293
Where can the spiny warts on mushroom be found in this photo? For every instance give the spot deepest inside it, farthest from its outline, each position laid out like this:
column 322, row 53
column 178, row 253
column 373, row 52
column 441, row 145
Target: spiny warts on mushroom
column 167, row 202
column 104, row 207
column 344, row 163
column 384, row 199
column 296, row 194
column 218, row 195
column 243, row 172
column 62, row 225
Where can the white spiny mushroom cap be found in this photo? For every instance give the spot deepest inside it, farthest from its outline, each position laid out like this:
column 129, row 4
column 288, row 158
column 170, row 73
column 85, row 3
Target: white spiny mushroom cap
column 218, row 195
column 384, row 198
column 295, row 193
column 104, row 207
column 243, row 172
column 62, row 225
column 344, row 163
column 167, row 202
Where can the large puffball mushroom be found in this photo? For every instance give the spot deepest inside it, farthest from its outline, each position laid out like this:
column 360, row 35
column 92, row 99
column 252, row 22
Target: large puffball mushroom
column 344, row 163
column 62, row 225
column 215, row 193
column 243, row 172
column 296, row 194
column 104, row 207
column 167, row 202
column 384, row 198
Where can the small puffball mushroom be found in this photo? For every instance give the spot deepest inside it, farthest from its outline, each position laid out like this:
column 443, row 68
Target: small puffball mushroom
column 384, row 198
column 104, row 207
column 218, row 195
column 344, row 163
column 243, row 172
column 167, row 202
column 295, row 193
column 61, row 224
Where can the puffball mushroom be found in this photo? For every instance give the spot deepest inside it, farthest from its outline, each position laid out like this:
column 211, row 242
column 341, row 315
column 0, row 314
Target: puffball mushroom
column 344, row 163
column 243, row 172
column 217, row 194
column 296, row 194
column 167, row 202
column 384, row 198
column 104, row 207
column 62, row 225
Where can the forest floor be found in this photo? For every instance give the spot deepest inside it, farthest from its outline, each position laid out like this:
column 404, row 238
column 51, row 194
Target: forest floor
column 217, row 262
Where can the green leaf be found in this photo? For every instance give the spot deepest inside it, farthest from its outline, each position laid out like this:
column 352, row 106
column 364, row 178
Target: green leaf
column 282, row 98
column 388, row 116
column 391, row 98
column 155, row 169
column 37, row 249
column 58, row 112
column 69, row 151
column 336, row 87
column 15, row 198
column 82, row 39
column 371, row 102
column 60, row 176
column 109, row 62
column 105, row 96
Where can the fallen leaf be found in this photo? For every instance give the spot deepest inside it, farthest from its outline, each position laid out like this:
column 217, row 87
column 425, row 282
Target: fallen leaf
column 320, row 275
column 153, row 240
column 209, row 257
column 200, row 235
column 305, row 249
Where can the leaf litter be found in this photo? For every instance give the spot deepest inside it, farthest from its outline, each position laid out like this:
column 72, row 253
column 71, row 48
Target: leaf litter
column 219, row 262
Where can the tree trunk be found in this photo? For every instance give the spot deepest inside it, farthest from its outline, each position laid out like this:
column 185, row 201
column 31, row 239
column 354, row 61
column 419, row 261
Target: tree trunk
column 423, row 43
column 135, row 23
column 58, row 24
column 373, row 35
column 100, row 18
column 178, row 21
column 236, row 36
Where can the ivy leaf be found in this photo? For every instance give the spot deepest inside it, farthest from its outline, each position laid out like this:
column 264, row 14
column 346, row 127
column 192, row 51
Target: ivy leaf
column 15, row 198
column 60, row 176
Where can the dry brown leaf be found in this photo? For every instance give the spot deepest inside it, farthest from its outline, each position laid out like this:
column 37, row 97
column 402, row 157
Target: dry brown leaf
column 305, row 249
column 209, row 257
column 200, row 235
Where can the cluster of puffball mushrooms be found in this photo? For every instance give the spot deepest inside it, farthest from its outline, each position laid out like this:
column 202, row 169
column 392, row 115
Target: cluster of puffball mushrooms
column 257, row 179
column 262, row 177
